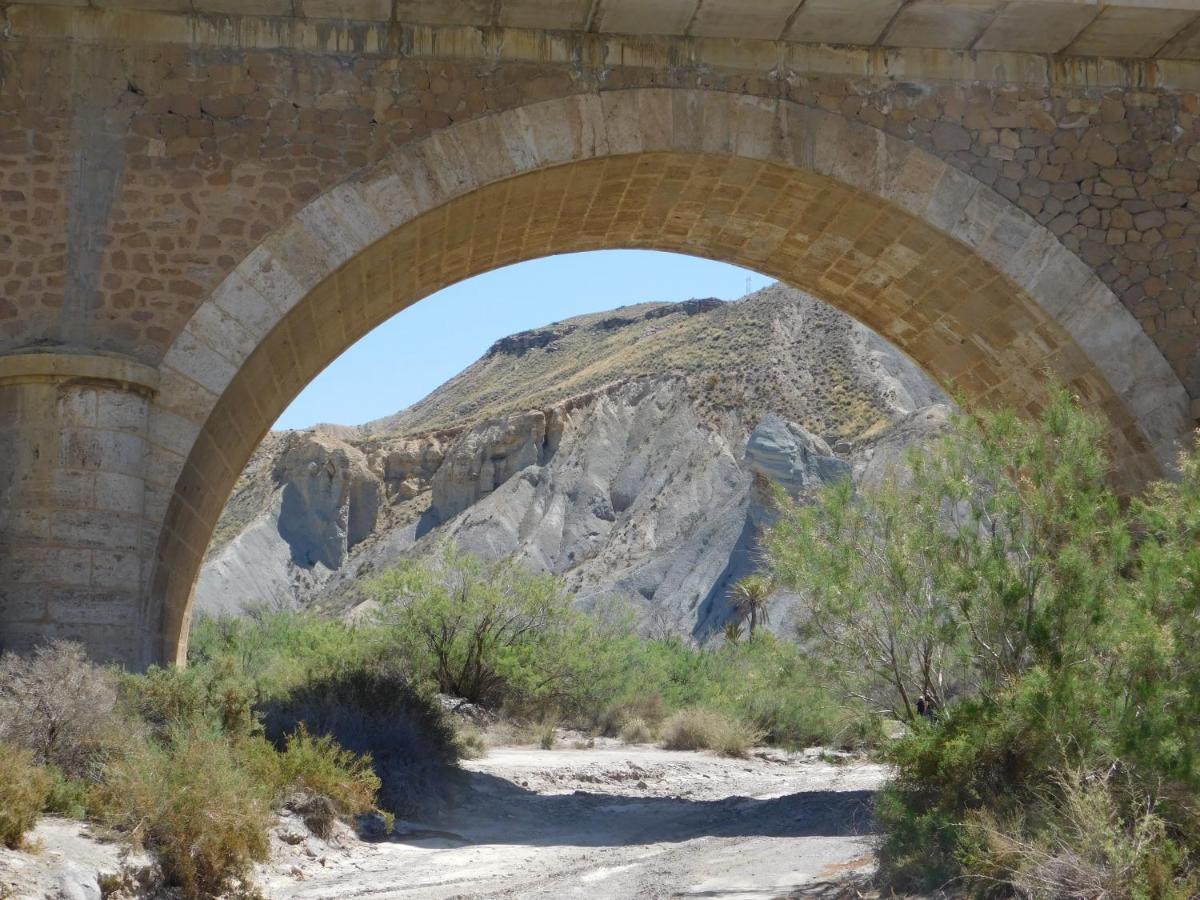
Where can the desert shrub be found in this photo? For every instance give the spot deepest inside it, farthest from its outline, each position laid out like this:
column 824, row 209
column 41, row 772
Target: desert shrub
column 206, row 696
column 194, row 803
column 58, row 705
column 23, row 789
column 636, row 731
column 493, row 632
column 488, row 632
column 1044, row 627
column 649, row 709
column 317, row 765
column 705, row 729
column 547, row 737
column 1076, row 841
column 276, row 650
column 375, row 712
column 469, row 741
column 66, row 796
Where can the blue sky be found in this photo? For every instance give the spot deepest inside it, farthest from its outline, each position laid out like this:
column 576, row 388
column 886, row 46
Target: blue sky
column 416, row 350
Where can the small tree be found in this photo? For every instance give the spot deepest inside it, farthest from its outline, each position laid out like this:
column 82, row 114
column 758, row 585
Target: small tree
column 484, row 631
column 750, row 596
column 994, row 550
column 58, row 705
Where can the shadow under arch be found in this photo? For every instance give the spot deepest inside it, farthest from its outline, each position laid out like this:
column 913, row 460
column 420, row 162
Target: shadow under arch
column 969, row 286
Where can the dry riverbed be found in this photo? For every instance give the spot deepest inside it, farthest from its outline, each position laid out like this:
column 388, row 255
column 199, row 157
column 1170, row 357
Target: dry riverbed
column 615, row 821
column 609, row 822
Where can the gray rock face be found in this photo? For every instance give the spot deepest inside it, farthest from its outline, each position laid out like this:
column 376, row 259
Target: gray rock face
column 330, row 499
column 641, row 500
column 483, row 459
column 650, row 488
column 785, row 453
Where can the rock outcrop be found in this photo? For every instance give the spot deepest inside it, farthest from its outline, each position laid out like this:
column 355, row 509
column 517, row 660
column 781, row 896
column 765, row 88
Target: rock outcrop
column 650, row 486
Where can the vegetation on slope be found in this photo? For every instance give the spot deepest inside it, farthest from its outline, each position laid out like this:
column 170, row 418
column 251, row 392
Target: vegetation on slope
column 775, row 351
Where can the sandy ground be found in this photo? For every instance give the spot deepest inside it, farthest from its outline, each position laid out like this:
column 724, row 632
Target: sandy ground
column 613, row 822
column 60, row 861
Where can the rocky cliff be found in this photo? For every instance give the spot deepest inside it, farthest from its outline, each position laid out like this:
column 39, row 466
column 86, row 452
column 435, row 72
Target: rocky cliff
column 628, row 451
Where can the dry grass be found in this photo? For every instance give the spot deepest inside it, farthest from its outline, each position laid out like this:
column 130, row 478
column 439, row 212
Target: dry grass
column 23, row 789
column 1086, row 849
column 471, row 741
column 697, row 728
column 195, row 805
column 636, row 731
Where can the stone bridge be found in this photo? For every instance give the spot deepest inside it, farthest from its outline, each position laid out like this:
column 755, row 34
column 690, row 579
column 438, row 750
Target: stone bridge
column 204, row 202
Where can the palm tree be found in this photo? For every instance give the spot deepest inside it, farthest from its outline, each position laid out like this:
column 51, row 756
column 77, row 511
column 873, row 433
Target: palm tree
column 750, row 596
column 733, row 631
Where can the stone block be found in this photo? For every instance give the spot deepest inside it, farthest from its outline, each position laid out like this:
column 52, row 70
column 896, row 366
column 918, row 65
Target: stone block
column 765, row 20
column 119, row 493
column 96, row 529
column 120, row 410
column 237, row 298
column 836, row 22
column 45, row 565
column 117, row 570
column 95, row 449
column 351, row 10
column 645, row 16
column 91, row 609
column 553, row 14
column 196, row 360
column 170, row 431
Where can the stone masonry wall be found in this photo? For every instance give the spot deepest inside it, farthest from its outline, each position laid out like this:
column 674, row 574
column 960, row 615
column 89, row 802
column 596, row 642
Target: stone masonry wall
column 134, row 178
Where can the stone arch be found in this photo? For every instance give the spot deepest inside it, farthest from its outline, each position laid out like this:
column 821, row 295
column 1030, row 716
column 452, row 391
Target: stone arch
column 967, row 284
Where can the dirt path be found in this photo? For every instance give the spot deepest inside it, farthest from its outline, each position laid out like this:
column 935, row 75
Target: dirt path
column 613, row 822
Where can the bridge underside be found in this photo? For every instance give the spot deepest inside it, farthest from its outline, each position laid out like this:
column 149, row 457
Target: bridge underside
column 201, row 211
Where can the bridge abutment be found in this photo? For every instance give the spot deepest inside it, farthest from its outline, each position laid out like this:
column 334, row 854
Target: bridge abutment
column 75, row 544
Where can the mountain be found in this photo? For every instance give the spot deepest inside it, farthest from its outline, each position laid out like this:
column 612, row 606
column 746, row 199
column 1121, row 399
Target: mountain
column 628, row 451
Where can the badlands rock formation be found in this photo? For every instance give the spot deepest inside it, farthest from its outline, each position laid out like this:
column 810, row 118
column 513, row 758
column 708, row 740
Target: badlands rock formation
column 628, row 451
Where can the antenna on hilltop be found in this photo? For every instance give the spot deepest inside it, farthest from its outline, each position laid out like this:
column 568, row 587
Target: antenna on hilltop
column 747, row 284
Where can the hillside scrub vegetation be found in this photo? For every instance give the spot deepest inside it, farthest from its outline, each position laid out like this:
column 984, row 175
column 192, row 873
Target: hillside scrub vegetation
column 192, row 764
column 497, row 635
column 1039, row 639
column 333, row 719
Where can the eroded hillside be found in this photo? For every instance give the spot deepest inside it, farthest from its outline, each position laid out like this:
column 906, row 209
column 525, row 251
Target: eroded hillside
column 627, row 451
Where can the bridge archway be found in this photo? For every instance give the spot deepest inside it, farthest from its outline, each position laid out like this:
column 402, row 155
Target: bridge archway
column 965, row 283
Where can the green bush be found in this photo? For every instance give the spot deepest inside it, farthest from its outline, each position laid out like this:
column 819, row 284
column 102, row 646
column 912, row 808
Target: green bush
column 275, row 651
column 23, row 789
column 490, row 633
column 1044, row 627
column 216, row 695
column 376, row 712
column 195, row 804
column 319, row 768
column 66, row 796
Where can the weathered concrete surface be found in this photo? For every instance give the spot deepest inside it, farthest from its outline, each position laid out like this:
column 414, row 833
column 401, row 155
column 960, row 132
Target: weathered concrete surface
column 233, row 199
